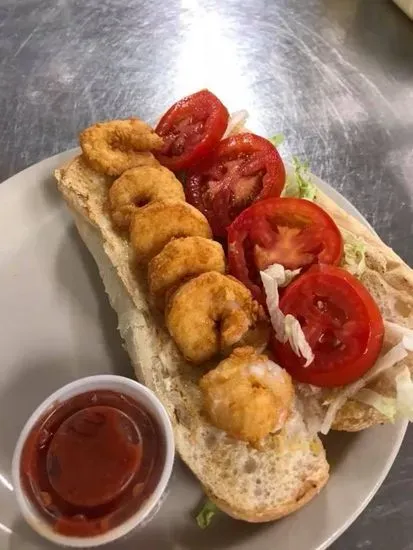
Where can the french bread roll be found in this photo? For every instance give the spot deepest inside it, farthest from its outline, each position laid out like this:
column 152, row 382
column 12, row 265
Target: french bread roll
column 254, row 485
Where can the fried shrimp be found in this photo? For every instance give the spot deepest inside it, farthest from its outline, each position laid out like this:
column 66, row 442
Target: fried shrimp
column 140, row 186
column 180, row 259
column 154, row 225
column 247, row 395
column 118, row 145
column 210, row 314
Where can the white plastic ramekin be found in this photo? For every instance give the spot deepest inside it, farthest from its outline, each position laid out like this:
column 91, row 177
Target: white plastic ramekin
column 149, row 508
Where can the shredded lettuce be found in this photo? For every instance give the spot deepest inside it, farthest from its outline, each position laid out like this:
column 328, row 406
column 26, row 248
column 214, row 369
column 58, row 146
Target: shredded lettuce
column 404, row 397
column 386, row 362
column 393, row 330
column 399, row 407
column 206, row 515
column 293, row 333
column 392, row 407
column 387, row 406
column 272, row 298
column 236, row 122
column 354, row 258
column 286, row 327
column 277, row 139
column 282, row 276
column 299, row 183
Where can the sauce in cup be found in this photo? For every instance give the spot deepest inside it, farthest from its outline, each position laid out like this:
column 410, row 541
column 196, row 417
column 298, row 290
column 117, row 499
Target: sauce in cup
column 90, row 462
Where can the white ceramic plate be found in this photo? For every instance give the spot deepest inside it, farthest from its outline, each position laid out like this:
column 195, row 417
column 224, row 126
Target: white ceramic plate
column 57, row 325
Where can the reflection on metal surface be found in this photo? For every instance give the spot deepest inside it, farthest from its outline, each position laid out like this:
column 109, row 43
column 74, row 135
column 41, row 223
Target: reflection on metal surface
column 205, row 40
column 6, row 483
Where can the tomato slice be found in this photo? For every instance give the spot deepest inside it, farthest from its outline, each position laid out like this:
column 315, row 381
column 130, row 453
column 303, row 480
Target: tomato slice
column 243, row 169
column 191, row 129
column 293, row 232
column 341, row 322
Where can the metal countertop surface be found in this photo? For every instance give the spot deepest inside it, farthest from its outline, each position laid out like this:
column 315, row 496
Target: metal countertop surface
column 335, row 76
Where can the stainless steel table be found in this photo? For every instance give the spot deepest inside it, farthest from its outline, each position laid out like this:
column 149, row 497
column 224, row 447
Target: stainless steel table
column 335, row 76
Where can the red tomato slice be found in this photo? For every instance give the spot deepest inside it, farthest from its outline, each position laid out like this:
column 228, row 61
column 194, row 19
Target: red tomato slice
column 191, row 129
column 293, row 232
column 243, row 169
column 341, row 322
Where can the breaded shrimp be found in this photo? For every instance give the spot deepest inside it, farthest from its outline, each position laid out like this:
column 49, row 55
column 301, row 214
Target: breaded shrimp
column 210, row 314
column 118, row 145
column 247, row 395
column 154, row 225
column 180, row 259
column 139, row 186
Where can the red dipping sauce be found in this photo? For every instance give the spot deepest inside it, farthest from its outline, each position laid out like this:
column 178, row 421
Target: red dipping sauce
column 91, row 461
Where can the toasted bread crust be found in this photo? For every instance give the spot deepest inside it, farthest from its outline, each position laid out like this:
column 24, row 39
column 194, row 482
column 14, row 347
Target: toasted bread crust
column 309, row 490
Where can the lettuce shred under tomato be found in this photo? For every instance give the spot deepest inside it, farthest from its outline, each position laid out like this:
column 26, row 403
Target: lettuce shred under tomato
column 277, row 139
column 404, row 394
column 298, row 183
column 236, row 123
column 385, row 405
column 402, row 405
column 286, row 327
column 392, row 408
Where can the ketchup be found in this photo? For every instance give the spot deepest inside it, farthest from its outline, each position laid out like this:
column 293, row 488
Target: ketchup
column 90, row 462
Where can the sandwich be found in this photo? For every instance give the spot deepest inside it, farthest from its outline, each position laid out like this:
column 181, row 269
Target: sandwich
column 258, row 311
